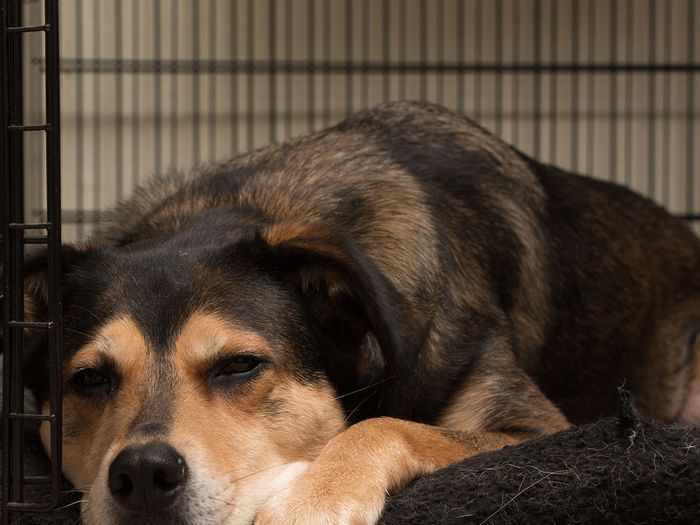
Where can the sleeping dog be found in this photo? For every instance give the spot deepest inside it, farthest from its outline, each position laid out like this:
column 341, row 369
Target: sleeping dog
column 288, row 336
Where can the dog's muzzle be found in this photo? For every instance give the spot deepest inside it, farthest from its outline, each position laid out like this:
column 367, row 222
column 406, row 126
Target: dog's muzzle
column 147, row 479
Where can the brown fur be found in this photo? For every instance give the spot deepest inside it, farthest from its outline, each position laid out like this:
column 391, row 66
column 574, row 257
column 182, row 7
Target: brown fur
column 305, row 417
column 400, row 270
column 348, row 481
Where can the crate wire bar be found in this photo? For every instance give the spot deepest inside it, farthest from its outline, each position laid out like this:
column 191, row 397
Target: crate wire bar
column 601, row 87
column 16, row 233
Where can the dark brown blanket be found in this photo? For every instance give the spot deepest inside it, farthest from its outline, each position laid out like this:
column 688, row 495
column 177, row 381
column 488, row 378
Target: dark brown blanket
column 612, row 471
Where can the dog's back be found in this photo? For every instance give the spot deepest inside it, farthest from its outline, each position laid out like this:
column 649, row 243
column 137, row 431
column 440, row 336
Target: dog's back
column 594, row 285
column 235, row 336
column 625, row 277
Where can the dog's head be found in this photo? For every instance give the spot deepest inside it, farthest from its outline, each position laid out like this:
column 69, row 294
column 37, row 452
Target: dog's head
column 203, row 374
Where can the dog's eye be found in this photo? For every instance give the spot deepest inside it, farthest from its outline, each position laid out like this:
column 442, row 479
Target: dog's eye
column 241, row 365
column 92, row 382
column 235, row 370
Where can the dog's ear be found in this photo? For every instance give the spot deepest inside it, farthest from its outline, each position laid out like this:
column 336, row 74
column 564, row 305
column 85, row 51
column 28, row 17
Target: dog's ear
column 36, row 278
column 35, row 272
column 355, row 303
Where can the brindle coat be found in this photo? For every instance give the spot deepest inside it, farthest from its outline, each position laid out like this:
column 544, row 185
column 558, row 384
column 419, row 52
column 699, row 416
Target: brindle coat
column 405, row 263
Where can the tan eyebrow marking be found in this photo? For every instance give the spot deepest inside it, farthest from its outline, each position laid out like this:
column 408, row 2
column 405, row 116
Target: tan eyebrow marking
column 119, row 341
column 206, row 335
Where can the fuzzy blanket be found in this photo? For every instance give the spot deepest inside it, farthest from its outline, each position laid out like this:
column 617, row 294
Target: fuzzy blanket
column 614, row 471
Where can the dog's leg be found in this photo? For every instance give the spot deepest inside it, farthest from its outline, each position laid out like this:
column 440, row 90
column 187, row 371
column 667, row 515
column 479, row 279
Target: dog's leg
column 348, row 483
column 665, row 376
column 499, row 396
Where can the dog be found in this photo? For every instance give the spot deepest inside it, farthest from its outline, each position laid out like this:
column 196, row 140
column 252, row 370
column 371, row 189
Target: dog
column 292, row 334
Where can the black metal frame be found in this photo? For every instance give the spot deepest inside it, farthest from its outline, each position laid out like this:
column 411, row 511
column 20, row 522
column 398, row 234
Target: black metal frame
column 16, row 233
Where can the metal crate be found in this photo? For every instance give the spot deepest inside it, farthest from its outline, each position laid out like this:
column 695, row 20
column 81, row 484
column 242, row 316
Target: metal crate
column 604, row 87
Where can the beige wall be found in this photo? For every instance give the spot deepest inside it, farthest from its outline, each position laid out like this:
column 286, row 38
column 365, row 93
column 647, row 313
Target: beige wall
column 631, row 127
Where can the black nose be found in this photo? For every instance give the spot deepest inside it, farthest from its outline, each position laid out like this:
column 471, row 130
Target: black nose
column 146, row 479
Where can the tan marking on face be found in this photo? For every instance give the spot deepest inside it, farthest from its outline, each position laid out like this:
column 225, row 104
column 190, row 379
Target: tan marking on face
column 241, row 445
column 120, row 341
column 274, row 415
column 244, row 444
column 92, row 428
column 206, row 337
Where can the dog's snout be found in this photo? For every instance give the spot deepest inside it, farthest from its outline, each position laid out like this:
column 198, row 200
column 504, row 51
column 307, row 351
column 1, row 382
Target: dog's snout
column 146, row 479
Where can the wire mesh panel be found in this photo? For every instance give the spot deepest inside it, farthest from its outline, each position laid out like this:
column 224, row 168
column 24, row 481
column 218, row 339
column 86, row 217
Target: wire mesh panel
column 16, row 232
column 604, row 87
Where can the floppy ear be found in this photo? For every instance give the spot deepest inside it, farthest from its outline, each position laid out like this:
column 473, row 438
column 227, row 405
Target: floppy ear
column 36, row 279
column 35, row 308
column 355, row 303
column 35, row 275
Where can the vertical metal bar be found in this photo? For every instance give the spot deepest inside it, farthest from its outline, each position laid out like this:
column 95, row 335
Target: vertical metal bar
column 651, row 136
column 364, row 81
column 499, row 74
column 386, row 50
column 288, row 75
column 423, row 42
column 15, row 241
column 30, row 164
column 11, row 163
column 479, row 49
column 403, row 21
column 135, row 94
column 537, row 88
column 211, row 78
column 250, row 52
column 96, row 121
column 612, row 170
column 461, row 45
column 234, row 77
column 12, row 211
column 666, row 140
column 53, row 206
column 553, row 80
column 272, row 79
column 628, row 92
column 590, row 95
column 35, row 163
column 440, row 38
column 5, row 203
column 327, row 55
column 575, row 109
column 79, row 123
column 196, row 84
column 174, row 15
column 348, row 58
column 158, row 87
column 516, row 78
column 690, row 110
column 119, row 88
column 311, row 79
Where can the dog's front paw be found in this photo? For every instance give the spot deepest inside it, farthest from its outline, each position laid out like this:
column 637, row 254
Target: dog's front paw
column 314, row 500
column 348, row 482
